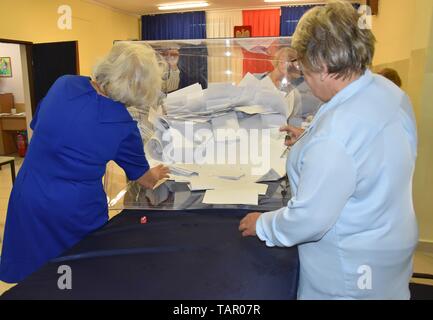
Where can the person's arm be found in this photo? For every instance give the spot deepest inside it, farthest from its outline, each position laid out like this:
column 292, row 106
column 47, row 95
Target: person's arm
column 327, row 181
column 131, row 158
column 153, row 175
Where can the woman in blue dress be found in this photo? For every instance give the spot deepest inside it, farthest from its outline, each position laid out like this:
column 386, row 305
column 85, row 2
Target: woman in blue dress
column 80, row 125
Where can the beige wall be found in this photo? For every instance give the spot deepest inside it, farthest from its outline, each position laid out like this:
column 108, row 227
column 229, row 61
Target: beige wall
column 423, row 188
column 94, row 26
column 404, row 32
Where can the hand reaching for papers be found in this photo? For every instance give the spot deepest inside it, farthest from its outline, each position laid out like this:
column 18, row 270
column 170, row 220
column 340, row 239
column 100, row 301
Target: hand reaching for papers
column 153, row 175
column 248, row 224
column 293, row 134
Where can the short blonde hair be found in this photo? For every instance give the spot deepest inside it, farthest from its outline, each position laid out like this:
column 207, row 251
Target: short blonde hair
column 330, row 35
column 130, row 73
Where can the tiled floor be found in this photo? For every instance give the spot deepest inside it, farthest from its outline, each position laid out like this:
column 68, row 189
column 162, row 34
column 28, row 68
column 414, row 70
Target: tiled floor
column 423, row 260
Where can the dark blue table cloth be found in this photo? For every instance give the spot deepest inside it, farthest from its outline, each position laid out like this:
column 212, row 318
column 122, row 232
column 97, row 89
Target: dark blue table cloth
column 176, row 255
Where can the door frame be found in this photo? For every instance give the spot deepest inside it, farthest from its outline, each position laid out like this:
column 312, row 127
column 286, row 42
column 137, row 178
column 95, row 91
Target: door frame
column 29, row 56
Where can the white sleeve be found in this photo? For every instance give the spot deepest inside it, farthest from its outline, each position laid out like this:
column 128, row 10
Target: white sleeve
column 327, row 180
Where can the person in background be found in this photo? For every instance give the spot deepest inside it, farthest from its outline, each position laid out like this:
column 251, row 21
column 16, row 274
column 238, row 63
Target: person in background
column 172, row 73
column 287, row 78
column 282, row 76
column 392, row 75
column 351, row 213
column 80, row 125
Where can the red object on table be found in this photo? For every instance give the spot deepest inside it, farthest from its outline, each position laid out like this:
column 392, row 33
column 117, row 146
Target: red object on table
column 143, row 220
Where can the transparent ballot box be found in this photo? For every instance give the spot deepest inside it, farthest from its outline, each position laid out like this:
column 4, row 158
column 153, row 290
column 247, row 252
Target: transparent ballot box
column 216, row 125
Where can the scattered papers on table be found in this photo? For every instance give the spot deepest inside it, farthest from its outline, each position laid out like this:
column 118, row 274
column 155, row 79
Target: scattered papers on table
column 215, row 124
column 229, row 196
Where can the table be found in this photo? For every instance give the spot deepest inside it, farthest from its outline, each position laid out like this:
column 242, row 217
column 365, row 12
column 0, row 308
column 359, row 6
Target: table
column 124, row 194
column 176, row 255
column 9, row 125
column 11, row 162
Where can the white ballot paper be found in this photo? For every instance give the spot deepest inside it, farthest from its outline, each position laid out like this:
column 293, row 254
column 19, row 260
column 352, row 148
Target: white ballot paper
column 227, row 121
column 267, row 83
column 254, row 109
column 192, row 89
column 231, row 196
column 249, row 80
column 154, row 147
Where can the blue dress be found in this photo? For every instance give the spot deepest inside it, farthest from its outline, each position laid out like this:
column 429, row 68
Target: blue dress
column 58, row 196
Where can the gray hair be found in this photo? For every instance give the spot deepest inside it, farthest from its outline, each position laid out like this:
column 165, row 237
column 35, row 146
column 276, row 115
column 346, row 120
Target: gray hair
column 130, row 73
column 330, row 35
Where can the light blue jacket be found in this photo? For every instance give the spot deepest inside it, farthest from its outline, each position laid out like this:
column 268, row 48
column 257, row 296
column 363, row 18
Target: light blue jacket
column 351, row 212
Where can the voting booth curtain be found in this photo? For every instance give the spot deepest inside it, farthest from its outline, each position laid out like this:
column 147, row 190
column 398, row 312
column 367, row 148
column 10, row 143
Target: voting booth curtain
column 187, row 25
column 290, row 17
column 264, row 23
column 221, row 24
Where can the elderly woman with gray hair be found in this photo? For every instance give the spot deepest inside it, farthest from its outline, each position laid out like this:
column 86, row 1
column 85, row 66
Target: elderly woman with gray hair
column 80, row 125
column 351, row 213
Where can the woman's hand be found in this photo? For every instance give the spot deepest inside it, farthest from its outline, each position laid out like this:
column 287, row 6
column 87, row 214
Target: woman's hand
column 293, row 134
column 153, row 175
column 248, row 224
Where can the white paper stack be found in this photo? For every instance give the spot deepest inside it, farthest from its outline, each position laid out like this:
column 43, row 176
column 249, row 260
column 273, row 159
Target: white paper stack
column 253, row 104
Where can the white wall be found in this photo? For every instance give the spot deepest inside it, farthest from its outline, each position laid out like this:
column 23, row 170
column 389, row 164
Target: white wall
column 15, row 84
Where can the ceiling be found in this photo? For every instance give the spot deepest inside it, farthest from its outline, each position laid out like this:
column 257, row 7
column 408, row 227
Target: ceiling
column 139, row 7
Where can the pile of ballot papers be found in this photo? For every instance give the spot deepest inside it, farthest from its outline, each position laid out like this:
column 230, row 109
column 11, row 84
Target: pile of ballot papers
column 190, row 122
column 251, row 96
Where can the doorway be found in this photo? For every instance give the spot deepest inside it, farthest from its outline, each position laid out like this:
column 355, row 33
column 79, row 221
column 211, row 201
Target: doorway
column 37, row 67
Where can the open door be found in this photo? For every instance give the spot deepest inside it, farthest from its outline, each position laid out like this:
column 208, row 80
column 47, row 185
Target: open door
column 49, row 62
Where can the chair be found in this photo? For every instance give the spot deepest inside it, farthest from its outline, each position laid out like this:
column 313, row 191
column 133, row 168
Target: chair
column 11, row 162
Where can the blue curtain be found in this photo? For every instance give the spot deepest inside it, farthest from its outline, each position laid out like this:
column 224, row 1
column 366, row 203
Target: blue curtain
column 290, row 17
column 170, row 26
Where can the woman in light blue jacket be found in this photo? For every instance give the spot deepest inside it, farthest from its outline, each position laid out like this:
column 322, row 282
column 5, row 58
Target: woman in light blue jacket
column 351, row 214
